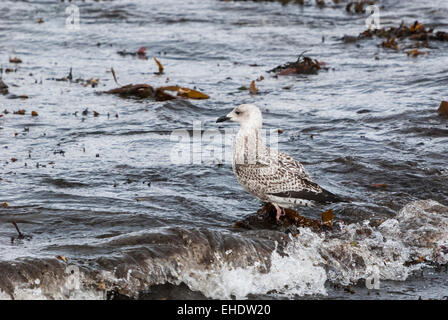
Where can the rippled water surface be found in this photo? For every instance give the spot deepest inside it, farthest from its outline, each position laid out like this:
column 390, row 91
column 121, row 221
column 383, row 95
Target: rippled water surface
column 102, row 191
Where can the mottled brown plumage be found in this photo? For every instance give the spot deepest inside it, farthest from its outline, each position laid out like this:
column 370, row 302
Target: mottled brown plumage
column 268, row 174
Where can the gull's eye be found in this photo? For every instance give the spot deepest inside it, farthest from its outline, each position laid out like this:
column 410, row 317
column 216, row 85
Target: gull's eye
column 237, row 112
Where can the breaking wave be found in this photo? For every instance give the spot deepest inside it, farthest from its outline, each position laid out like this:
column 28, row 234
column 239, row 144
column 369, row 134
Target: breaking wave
column 226, row 266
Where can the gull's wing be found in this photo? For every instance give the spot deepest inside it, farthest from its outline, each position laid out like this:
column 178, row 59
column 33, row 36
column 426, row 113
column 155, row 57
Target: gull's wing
column 278, row 177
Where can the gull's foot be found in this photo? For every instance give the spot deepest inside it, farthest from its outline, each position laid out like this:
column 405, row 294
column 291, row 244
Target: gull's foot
column 280, row 211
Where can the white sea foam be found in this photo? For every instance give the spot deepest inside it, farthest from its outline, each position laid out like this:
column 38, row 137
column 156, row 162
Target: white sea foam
column 416, row 236
column 355, row 253
column 297, row 271
column 27, row 293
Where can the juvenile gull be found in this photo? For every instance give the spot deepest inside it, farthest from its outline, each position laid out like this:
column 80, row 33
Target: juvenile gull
column 268, row 174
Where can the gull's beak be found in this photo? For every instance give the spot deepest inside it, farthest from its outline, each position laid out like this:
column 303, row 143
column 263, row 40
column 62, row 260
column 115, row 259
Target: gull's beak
column 222, row 119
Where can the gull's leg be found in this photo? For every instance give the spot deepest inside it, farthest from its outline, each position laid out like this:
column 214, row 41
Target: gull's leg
column 280, row 211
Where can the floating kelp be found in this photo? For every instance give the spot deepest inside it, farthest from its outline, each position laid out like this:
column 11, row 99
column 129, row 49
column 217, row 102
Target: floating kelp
column 416, row 31
column 252, row 88
column 415, row 53
column 303, row 65
column 185, row 92
column 20, row 235
column 443, row 108
column 418, row 35
column 358, row 7
column 8, row 70
column 15, row 60
column 159, row 64
column 3, row 87
column 20, row 112
column 143, row 91
column 84, row 82
column 137, row 90
column 390, row 43
column 140, row 53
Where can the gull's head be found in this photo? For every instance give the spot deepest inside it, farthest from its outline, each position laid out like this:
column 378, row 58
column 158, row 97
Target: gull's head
column 247, row 115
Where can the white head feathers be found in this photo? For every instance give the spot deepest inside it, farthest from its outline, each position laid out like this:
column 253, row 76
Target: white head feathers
column 247, row 115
